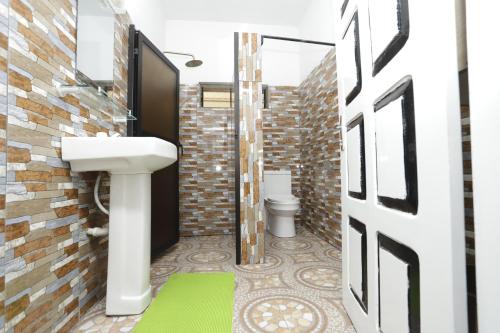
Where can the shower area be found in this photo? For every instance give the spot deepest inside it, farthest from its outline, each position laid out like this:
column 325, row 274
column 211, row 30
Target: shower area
column 206, row 173
column 285, row 127
column 230, row 140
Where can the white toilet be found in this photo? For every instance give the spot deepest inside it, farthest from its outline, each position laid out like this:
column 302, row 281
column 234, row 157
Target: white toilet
column 281, row 205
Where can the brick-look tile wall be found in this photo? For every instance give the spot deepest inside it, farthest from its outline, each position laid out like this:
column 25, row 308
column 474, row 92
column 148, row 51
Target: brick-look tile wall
column 53, row 271
column 120, row 62
column 282, row 139
column 215, row 203
column 206, row 173
column 320, row 153
column 207, row 195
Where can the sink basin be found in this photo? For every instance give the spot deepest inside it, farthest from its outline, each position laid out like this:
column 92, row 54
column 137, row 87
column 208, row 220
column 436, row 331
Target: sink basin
column 118, row 155
column 130, row 161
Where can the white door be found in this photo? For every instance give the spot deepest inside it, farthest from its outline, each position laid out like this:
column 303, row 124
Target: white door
column 402, row 194
column 483, row 26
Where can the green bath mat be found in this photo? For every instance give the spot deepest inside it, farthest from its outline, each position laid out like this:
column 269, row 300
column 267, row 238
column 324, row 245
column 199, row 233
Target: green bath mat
column 191, row 303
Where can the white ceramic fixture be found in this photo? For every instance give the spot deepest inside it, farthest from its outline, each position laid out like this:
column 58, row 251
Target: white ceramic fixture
column 281, row 204
column 130, row 161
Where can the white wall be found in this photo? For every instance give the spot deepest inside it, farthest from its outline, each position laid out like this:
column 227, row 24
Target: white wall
column 213, row 43
column 148, row 16
column 316, row 24
column 284, row 63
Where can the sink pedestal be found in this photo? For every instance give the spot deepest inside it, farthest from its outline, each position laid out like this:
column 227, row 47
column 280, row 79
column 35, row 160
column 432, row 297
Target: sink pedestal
column 130, row 161
column 129, row 256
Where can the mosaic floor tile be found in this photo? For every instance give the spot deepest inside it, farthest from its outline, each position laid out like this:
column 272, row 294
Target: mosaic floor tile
column 161, row 270
column 211, row 256
column 272, row 261
column 294, row 244
column 267, row 281
column 283, row 313
column 333, row 254
column 320, row 277
column 297, row 289
column 207, row 268
column 299, row 258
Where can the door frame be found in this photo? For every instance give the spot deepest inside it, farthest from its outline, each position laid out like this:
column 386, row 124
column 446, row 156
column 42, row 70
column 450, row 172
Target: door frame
column 236, row 92
column 135, row 85
column 484, row 101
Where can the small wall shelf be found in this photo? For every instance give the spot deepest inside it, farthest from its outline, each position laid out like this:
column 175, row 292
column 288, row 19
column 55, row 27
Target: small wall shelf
column 98, row 99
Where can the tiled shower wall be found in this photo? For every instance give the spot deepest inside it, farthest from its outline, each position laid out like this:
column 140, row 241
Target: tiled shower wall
column 302, row 133
column 206, row 167
column 320, row 154
column 281, row 126
column 53, row 271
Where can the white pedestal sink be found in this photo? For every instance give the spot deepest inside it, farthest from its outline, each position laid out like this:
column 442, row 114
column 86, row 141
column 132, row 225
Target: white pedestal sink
column 130, row 161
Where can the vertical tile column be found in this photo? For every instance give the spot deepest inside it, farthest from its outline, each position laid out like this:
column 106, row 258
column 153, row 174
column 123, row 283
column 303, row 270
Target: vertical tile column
column 251, row 149
column 4, row 33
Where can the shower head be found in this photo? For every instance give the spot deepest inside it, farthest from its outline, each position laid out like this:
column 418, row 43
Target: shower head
column 191, row 63
column 194, row 63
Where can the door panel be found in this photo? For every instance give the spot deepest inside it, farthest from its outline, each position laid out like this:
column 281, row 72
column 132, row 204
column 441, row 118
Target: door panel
column 394, row 311
column 356, row 159
column 397, row 67
column 390, row 28
column 154, row 100
column 399, row 286
column 357, row 263
column 352, row 80
column 396, row 159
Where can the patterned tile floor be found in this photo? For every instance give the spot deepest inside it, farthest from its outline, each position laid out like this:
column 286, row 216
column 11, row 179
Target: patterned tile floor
column 298, row 289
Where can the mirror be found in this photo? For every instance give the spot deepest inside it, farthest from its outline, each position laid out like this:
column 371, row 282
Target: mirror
column 95, row 42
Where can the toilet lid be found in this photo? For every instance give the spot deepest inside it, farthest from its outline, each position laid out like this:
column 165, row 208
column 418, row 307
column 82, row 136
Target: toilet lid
column 284, row 199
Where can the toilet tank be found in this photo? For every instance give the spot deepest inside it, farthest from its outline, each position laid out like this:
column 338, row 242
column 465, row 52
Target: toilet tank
column 277, row 182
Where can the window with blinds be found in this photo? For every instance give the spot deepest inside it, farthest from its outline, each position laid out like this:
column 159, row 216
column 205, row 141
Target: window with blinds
column 221, row 95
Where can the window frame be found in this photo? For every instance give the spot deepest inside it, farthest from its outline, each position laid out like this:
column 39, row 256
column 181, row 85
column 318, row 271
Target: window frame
column 226, row 86
column 213, row 86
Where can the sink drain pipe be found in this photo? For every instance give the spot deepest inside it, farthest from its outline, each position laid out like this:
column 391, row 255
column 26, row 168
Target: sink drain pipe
column 96, row 195
column 97, row 232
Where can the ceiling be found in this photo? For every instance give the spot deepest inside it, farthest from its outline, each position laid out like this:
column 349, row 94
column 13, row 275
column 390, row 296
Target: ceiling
column 271, row 12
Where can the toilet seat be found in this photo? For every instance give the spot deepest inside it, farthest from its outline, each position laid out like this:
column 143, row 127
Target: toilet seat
column 282, row 199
